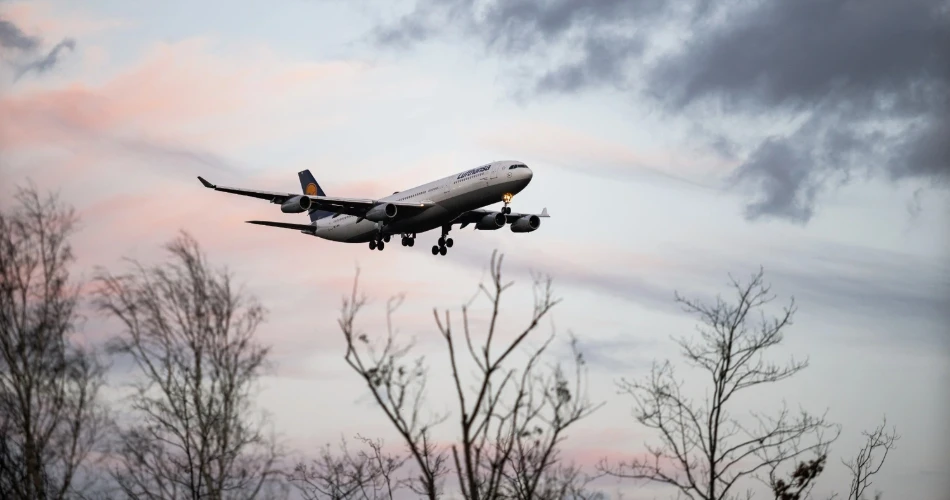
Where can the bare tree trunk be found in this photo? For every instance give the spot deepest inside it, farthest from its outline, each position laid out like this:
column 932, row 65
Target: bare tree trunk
column 512, row 418
column 704, row 451
column 191, row 335
column 50, row 418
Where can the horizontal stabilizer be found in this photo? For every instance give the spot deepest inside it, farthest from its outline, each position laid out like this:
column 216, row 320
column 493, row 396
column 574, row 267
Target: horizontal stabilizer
column 307, row 228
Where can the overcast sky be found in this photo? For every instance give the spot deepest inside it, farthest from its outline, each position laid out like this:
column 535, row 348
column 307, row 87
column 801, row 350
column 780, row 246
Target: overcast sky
column 672, row 143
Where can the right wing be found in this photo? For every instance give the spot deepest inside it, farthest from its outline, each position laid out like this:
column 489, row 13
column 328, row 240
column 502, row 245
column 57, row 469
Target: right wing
column 473, row 216
column 350, row 206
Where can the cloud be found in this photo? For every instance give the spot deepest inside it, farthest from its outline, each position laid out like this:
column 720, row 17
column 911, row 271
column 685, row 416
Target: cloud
column 14, row 41
column 864, row 85
column 174, row 106
column 870, row 79
column 46, row 63
column 861, row 289
column 575, row 149
column 12, row 37
column 618, row 276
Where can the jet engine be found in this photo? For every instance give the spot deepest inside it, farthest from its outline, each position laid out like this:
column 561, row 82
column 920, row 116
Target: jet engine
column 296, row 205
column 526, row 224
column 492, row 221
column 381, row 212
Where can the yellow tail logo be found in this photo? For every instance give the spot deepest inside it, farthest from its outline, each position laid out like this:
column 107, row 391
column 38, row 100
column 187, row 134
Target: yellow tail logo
column 311, row 189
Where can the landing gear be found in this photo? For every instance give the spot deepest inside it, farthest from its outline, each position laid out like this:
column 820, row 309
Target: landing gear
column 506, row 198
column 444, row 242
column 379, row 243
column 408, row 240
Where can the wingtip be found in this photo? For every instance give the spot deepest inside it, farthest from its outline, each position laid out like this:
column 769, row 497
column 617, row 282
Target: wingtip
column 205, row 183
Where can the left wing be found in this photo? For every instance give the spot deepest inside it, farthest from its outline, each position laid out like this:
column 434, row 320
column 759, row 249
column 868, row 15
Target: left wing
column 473, row 216
column 349, row 206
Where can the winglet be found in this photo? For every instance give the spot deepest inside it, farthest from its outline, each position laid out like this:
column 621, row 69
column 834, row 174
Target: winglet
column 544, row 212
column 205, row 183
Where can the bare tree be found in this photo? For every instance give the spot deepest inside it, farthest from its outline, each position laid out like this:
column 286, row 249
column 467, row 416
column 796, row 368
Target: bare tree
column 51, row 421
column 865, row 464
column 704, row 451
column 511, row 420
column 365, row 475
column 191, row 335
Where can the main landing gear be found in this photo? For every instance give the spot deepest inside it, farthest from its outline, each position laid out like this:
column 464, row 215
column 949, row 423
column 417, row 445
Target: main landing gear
column 379, row 243
column 444, row 242
column 408, row 240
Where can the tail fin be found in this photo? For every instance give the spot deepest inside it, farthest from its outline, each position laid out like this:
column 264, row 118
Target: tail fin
column 310, row 187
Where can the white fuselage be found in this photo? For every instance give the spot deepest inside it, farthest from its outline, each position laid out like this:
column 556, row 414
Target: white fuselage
column 452, row 195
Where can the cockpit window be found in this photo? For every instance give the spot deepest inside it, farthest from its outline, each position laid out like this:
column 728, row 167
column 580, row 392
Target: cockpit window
column 517, row 166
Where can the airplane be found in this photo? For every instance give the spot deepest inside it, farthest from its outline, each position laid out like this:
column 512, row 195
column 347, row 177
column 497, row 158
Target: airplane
column 456, row 199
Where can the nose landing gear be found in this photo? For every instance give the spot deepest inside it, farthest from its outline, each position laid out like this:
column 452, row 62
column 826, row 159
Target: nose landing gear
column 507, row 199
column 408, row 240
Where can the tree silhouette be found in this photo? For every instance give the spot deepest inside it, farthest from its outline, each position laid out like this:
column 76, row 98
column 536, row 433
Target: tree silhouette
column 511, row 418
column 365, row 475
column 704, row 451
column 865, row 464
column 190, row 333
column 51, row 421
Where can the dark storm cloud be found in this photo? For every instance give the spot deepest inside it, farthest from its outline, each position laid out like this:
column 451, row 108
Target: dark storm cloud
column 868, row 80
column 608, row 34
column 848, row 66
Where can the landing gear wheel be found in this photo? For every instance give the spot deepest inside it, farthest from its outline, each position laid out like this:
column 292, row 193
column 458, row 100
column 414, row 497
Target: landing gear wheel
column 386, row 238
column 449, row 242
column 443, row 250
column 435, row 249
column 372, row 245
column 380, row 246
column 405, row 241
column 442, row 241
column 411, row 241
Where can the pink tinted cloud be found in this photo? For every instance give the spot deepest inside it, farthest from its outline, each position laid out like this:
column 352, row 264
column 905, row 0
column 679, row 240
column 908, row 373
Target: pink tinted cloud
column 178, row 90
column 41, row 18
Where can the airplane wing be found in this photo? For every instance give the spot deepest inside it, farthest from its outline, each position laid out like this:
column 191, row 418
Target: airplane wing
column 349, row 206
column 304, row 228
column 473, row 216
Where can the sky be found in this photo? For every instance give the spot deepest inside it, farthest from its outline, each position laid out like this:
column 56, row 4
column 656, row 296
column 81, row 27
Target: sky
column 673, row 143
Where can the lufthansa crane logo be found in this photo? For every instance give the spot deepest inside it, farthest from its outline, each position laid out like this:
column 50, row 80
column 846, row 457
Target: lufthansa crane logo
column 312, row 189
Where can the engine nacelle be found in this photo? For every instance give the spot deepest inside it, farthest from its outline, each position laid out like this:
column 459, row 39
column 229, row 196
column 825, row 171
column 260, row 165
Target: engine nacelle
column 526, row 224
column 296, row 205
column 492, row 221
column 381, row 212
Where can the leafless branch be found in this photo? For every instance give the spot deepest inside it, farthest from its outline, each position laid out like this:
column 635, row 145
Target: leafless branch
column 703, row 451
column 51, row 421
column 398, row 387
column 511, row 420
column 865, row 464
column 366, row 475
column 190, row 333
